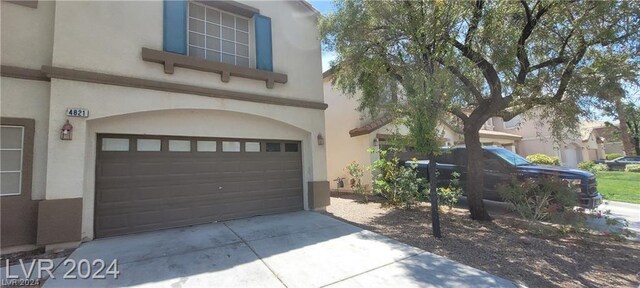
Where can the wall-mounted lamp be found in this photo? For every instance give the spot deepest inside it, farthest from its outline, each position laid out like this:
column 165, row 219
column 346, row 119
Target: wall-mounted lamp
column 320, row 139
column 375, row 141
column 66, row 131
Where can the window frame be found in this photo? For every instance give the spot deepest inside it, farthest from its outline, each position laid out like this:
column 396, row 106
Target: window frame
column 519, row 121
column 235, row 30
column 21, row 169
column 26, row 163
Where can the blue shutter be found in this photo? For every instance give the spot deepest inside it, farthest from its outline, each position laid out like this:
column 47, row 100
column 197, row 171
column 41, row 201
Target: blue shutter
column 264, row 56
column 175, row 26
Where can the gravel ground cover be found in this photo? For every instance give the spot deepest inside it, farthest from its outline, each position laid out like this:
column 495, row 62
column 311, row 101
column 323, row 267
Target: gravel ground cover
column 504, row 247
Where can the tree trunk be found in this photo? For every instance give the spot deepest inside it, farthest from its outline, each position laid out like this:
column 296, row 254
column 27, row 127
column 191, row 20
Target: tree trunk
column 475, row 174
column 628, row 147
column 433, row 195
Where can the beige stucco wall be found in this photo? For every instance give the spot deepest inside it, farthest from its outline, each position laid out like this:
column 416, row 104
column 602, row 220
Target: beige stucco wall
column 342, row 149
column 30, row 99
column 89, row 37
column 27, row 34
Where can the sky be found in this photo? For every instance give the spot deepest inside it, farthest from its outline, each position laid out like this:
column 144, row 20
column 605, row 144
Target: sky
column 325, row 6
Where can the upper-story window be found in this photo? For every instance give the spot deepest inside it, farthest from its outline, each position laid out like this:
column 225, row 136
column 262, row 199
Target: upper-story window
column 218, row 35
column 513, row 123
column 488, row 125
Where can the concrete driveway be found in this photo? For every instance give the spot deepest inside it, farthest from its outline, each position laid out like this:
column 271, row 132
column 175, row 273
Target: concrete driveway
column 301, row 249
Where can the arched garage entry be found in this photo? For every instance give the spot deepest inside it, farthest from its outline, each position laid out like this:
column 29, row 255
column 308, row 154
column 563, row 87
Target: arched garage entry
column 183, row 172
column 572, row 155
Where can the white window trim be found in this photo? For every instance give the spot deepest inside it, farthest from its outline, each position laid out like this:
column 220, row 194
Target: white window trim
column 21, row 160
column 235, row 52
column 504, row 123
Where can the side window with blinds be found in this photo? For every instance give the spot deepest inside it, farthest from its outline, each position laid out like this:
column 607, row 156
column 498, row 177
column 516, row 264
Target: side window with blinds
column 12, row 150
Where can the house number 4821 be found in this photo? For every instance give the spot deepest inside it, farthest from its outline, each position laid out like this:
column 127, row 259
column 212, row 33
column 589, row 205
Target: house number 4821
column 77, row 112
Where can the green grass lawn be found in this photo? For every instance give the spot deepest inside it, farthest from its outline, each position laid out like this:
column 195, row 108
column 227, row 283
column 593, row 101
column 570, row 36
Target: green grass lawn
column 619, row 186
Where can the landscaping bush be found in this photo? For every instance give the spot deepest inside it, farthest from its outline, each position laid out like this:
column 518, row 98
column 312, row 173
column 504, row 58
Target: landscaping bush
column 448, row 196
column 586, row 165
column 356, row 172
column 612, row 156
column 599, row 167
column 543, row 159
column 632, row 168
column 398, row 184
column 592, row 167
column 538, row 199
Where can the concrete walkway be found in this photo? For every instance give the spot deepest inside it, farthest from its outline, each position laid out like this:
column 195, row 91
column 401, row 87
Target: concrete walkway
column 301, row 249
column 628, row 212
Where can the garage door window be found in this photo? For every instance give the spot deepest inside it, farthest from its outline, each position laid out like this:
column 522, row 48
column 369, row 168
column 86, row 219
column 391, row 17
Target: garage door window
column 252, row 146
column 11, row 152
column 230, row 146
column 290, row 147
column 206, row 146
column 273, row 147
column 179, row 146
column 115, row 144
column 149, row 145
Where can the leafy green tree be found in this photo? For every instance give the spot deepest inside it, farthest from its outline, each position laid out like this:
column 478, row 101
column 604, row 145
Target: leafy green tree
column 499, row 58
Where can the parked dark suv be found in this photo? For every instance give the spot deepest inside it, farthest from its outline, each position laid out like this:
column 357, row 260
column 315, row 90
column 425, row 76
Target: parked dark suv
column 621, row 162
column 502, row 165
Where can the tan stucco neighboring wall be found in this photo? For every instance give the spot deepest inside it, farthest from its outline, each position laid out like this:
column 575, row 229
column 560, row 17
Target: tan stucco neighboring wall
column 88, row 38
column 30, row 99
column 342, row 149
column 27, row 34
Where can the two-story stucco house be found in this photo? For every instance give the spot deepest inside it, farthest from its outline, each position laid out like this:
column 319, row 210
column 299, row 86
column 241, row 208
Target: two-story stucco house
column 126, row 116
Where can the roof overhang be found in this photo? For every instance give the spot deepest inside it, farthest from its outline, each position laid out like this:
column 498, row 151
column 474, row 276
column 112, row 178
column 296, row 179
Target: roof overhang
column 371, row 126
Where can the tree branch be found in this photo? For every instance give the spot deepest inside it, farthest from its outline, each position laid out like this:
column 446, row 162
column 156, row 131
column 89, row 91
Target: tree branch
column 567, row 74
column 465, row 81
column 473, row 26
column 458, row 112
column 550, row 62
column 521, row 52
column 487, row 69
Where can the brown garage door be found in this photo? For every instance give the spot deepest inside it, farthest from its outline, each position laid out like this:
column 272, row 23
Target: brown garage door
column 146, row 183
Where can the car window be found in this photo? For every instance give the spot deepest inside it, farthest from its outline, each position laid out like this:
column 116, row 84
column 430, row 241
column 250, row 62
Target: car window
column 460, row 156
column 510, row 157
column 445, row 158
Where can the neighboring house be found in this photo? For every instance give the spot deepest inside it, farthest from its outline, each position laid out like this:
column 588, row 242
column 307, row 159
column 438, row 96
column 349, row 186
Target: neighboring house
column 191, row 112
column 351, row 133
column 610, row 139
column 536, row 138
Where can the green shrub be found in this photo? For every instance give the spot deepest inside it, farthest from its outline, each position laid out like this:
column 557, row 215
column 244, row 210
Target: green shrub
column 591, row 166
column 448, row 196
column 612, row 156
column 586, row 165
column 599, row 167
column 632, row 168
column 539, row 199
column 543, row 159
column 356, row 172
column 398, row 184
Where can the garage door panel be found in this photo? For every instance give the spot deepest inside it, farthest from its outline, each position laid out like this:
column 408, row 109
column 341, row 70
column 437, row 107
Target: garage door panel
column 145, row 191
column 214, row 199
